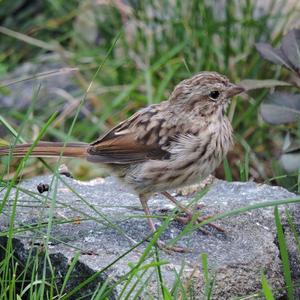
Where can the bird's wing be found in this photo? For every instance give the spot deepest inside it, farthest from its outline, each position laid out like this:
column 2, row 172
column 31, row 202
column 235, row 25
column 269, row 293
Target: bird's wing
column 137, row 139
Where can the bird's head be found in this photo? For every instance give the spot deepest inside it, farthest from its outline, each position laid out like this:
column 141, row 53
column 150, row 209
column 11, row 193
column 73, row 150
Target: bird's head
column 205, row 93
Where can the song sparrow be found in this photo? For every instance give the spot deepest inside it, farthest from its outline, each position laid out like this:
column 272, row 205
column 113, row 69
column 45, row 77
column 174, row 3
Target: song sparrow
column 163, row 146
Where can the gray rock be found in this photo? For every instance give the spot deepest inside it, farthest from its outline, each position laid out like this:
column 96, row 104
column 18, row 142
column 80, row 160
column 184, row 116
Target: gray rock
column 106, row 219
column 46, row 88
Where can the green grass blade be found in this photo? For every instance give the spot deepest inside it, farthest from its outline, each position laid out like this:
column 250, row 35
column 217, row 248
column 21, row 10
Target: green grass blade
column 68, row 274
column 10, row 128
column 166, row 294
column 179, row 283
column 293, row 229
column 160, row 277
column 284, row 256
column 137, row 295
column 266, row 288
column 208, row 283
column 28, row 39
column 100, row 291
column 134, row 285
column 227, row 170
column 38, row 76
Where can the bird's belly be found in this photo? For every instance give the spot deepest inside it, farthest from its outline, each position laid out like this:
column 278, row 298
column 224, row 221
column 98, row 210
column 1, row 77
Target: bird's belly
column 156, row 177
column 183, row 168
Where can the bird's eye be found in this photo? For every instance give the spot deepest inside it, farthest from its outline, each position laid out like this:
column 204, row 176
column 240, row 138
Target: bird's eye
column 214, row 95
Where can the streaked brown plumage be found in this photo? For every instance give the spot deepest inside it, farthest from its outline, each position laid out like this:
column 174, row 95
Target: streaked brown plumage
column 163, row 146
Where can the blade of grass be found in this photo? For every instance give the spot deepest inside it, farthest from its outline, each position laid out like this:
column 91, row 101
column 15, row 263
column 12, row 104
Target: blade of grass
column 30, row 40
column 100, row 291
column 284, row 255
column 291, row 222
column 38, row 76
column 227, row 170
column 30, row 286
column 160, row 277
column 9, row 246
column 68, row 274
column 266, row 288
column 208, row 283
column 166, row 294
column 134, row 285
column 142, row 288
column 182, row 289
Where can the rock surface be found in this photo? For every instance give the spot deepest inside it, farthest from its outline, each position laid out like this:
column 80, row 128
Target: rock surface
column 102, row 219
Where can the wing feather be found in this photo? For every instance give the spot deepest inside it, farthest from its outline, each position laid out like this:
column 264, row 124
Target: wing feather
column 131, row 141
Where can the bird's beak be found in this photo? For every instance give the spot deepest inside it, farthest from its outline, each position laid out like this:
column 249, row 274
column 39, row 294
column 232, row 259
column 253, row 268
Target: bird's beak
column 234, row 90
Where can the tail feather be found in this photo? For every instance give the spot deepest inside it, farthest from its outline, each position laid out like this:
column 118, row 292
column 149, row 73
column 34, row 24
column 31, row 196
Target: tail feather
column 46, row 149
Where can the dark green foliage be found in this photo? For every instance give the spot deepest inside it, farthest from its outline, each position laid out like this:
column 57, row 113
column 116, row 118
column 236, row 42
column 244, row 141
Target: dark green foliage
column 282, row 107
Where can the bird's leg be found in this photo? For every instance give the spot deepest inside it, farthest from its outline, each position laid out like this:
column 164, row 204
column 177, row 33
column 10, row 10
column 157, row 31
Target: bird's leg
column 144, row 199
column 189, row 213
column 162, row 245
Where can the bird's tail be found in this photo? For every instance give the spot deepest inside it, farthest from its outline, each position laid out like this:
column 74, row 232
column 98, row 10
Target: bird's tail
column 46, row 149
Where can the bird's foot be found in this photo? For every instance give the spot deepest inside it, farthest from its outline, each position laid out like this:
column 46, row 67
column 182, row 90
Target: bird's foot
column 190, row 214
column 169, row 249
column 186, row 218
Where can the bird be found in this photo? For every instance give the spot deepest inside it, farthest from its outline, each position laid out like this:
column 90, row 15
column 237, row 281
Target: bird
column 163, row 146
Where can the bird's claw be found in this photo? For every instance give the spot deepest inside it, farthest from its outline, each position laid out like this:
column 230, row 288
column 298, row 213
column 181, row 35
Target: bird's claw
column 169, row 249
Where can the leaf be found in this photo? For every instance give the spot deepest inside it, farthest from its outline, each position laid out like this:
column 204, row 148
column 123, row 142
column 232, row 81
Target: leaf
column 273, row 55
column 253, row 84
column 290, row 47
column 281, row 108
column 290, row 162
column 290, row 158
column 290, row 144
